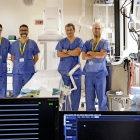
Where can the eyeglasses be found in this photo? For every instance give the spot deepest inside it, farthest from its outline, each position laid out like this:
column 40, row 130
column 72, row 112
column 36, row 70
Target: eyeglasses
column 97, row 29
column 23, row 30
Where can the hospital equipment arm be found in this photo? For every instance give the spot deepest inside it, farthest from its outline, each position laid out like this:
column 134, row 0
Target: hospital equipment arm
column 126, row 12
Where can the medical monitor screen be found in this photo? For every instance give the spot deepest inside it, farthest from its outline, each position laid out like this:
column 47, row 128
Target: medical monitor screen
column 28, row 119
column 102, row 126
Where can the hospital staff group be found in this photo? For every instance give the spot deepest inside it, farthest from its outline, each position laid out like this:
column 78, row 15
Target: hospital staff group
column 94, row 51
column 24, row 55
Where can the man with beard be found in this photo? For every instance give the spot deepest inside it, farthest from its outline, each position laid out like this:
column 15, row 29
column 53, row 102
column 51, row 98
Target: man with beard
column 24, row 55
column 94, row 52
column 69, row 50
column 4, row 49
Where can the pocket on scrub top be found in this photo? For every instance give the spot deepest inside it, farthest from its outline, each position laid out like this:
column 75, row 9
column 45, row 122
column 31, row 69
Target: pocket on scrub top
column 28, row 54
column 18, row 64
column 4, row 67
column 75, row 59
column 95, row 67
column 62, row 65
column 1, row 82
column 29, row 65
column 98, row 60
column 4, row 54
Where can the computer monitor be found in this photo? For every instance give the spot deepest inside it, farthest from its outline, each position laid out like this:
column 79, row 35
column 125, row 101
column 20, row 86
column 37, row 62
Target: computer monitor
column 29, row 119
column 99, row 125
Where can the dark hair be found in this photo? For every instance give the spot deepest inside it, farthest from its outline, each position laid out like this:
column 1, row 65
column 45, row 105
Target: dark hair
column 0, row 25
column 70, row 24
column 23, row 25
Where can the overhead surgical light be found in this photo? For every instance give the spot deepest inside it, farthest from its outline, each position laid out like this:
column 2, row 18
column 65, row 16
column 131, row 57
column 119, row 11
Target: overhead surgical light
column 29, row 2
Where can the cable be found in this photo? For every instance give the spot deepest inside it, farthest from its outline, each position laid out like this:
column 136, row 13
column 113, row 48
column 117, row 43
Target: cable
column 124, row 7
column 132, row 31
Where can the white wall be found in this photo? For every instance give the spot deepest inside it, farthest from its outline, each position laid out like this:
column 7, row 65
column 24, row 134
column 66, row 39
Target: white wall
column 14, row 13
column 72, row 13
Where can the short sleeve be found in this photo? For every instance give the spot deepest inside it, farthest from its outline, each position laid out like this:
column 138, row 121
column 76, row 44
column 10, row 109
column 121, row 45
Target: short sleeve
column 12, row 49
column 59, row 46
column 80, row 45
column 106, row 46
column 85, row 46
column 36, row 49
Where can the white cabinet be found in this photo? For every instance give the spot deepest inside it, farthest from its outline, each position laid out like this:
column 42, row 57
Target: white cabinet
column 104, row 14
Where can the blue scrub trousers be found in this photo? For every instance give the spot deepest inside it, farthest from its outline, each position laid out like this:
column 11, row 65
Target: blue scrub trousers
column 3, row 85
column 99, row 84
column 75, row 94
column 18, row 82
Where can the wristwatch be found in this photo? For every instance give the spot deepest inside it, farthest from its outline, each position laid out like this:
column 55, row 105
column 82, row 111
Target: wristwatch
column 67, row 52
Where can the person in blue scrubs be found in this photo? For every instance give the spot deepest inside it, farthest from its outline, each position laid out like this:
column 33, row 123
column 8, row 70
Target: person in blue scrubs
column 4, row 49
column 69, row 50
column 94, row 52
column 24, row 55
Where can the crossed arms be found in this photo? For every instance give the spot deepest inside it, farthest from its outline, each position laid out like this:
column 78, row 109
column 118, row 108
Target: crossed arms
column 91, row 55
column 75, row 52
column 85, row 56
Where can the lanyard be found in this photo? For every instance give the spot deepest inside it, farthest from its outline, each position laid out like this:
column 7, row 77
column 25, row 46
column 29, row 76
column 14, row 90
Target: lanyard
column 93, row 49
column 0, row 40
column 22, row 51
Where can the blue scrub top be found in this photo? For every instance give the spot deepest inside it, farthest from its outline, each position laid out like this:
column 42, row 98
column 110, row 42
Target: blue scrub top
column 67, row 63
column 27, row 66
column 4, row 49
column 98, row 66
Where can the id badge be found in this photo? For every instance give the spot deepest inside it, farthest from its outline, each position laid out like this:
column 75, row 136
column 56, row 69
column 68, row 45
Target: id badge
column 21, row 60
column 91, row 62
column 0, row 57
